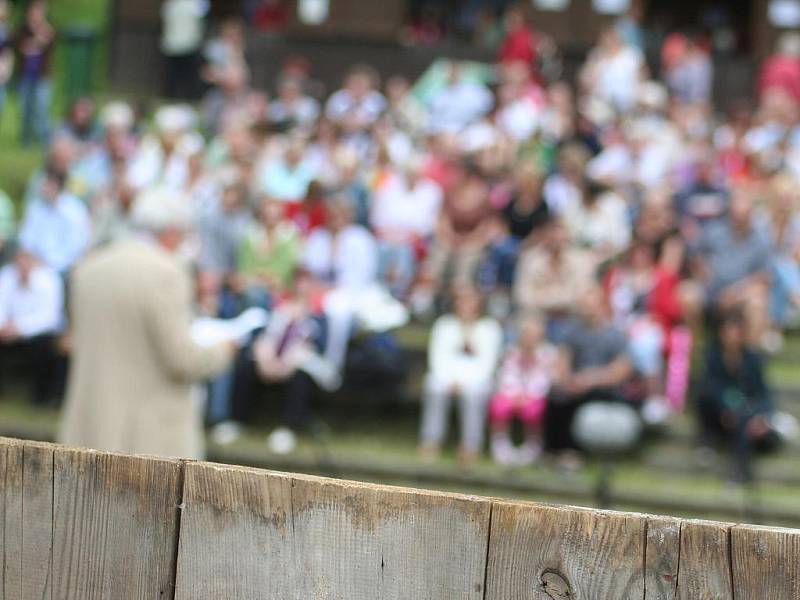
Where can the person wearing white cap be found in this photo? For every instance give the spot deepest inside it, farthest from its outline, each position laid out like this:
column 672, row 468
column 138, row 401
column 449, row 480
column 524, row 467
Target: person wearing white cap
column 158, row 160
column 134, row 360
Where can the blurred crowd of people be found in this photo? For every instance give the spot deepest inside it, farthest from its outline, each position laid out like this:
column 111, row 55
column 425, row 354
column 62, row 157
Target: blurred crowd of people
column 570, row 245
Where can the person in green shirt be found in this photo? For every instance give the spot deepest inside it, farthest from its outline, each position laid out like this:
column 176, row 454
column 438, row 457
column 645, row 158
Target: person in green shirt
column 268, row 256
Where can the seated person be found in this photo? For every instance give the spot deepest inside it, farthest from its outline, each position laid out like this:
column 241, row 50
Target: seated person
column 643, row 293
column 462, row 234
column 552, row 276
column 56, row 226
column 343, row 258
column 600, row 222
column 462, row 355
column 358, row 104
column 286, row 177
column 459, row 103
column 220, row 234
column 734, row 401
column 523, row 384
column 268, row 256
column 403, row 217
column 31, row 312
column 733, row 264
column 288, row 352
column 311, row 213
column 519, row 220
column 594, row 364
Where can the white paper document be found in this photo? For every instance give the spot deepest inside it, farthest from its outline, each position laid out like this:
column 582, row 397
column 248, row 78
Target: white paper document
column 209, row 332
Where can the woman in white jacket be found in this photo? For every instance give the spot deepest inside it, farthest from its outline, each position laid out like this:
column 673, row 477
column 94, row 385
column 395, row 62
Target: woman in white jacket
column 462, row 356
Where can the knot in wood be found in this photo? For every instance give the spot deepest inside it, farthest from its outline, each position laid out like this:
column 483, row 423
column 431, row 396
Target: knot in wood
column 555, row 586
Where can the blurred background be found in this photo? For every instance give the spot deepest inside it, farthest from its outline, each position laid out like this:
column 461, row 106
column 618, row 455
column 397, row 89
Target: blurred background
column 589, row 204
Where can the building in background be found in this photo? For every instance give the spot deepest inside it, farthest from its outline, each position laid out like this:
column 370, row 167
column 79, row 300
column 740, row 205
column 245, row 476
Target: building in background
column 334, row 34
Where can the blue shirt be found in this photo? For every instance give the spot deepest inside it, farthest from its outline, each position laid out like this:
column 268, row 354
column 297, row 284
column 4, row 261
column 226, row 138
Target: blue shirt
column 57, row 232
column 286, row 183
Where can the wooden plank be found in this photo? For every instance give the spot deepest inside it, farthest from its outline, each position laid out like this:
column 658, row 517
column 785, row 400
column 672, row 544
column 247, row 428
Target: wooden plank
column 538, row 552
column 367, row 541
column 115, row 525
column 28, row 520
column 766, row 563
column 704, row 561
column 315, row 538
column 230, row 513
column 11, row 476
column 662, row 556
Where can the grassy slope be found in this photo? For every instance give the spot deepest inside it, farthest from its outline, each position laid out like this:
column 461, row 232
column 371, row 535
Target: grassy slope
column 17, row 163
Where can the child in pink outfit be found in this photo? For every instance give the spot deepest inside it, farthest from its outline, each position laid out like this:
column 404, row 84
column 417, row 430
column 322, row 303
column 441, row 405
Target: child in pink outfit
column 526, row 373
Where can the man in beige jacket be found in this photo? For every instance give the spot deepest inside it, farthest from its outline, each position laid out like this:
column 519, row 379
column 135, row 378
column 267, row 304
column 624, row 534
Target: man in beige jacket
column 134, row 361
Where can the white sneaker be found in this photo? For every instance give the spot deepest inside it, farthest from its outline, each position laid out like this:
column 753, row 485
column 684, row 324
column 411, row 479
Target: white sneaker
column 772, row 342
column 282, row 441
column 786, row 426
column 655, row 410
column 528, row 452
column 226, row 432
column 502, row 450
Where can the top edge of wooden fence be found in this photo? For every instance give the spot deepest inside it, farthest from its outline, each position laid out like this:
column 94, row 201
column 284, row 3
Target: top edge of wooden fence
column 92, row 524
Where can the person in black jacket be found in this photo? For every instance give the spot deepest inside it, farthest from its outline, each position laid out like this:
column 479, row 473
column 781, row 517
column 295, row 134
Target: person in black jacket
column 734, row 401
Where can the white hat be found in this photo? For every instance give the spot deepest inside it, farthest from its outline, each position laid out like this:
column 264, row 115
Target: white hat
column 191, row 144
column 653, row 95
column 174, row 118
column 597, row 111
column 117, row 115
column 159, row 208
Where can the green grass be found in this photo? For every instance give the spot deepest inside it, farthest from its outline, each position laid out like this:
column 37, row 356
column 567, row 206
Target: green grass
column 16, row 163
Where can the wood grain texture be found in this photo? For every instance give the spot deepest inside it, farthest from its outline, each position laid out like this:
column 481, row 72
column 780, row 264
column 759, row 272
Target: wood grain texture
column 27, row 520
column 115, row 521
column 539, row 552
column 766, row 563
column 315, row 538
column 705, row 561
column 236, row 535
column 85, row 525
column 365, row 541
column 662, row 557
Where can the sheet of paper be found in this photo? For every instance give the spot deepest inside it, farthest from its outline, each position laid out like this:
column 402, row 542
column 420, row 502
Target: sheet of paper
column 208, row 332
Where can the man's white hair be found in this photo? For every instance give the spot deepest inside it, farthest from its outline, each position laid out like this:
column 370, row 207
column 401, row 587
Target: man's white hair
column 160, row 208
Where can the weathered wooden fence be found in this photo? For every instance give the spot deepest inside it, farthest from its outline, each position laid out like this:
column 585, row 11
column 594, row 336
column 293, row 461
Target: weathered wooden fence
column 86, row 525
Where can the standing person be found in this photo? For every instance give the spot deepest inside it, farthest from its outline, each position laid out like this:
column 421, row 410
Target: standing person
column 35, row 41
column 6, row 54
column 134, row 361
column 614, row 71
column 690, row 77
column 181, row 38
column 462, row 356
column 520, row 41
column 781, row 71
